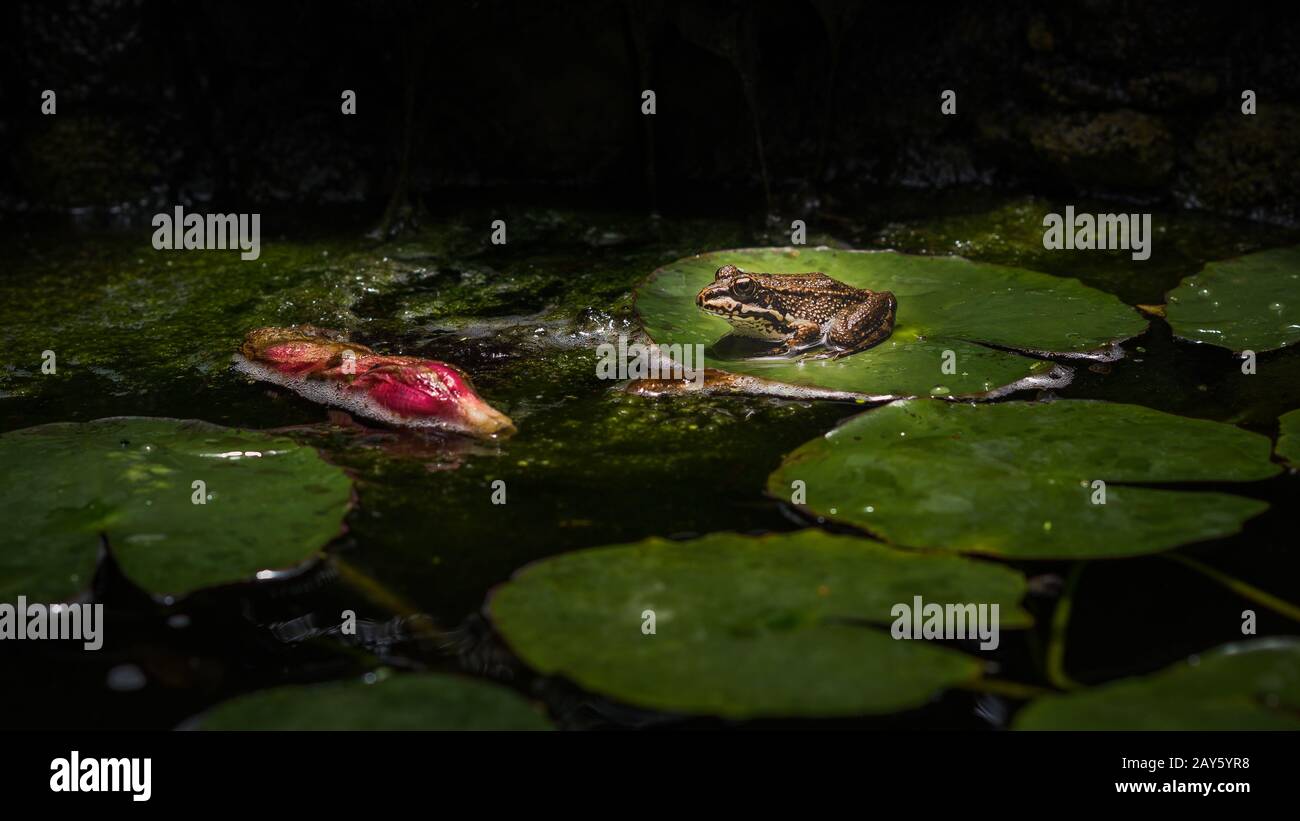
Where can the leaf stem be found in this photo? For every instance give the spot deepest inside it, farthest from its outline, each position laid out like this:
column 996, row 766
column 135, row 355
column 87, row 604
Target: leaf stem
column 1239, row 587
column 1010, row 689
column 1060, row 625
column 381, row 595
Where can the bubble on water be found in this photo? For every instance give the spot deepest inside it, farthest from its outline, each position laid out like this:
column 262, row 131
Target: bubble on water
column 126, row 677
column 1276, row 307
column 1204, row 292
column 939, row 390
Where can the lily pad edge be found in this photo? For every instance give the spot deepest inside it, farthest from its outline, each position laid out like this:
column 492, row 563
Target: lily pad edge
column 1060, row 376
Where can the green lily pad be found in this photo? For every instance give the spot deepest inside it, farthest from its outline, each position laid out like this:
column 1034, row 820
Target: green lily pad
column 271, row 503
column 1248, row 303
column 416, row 701
column 1252, row 685
column 1288, row 439
column 1016, row 478
column 781, row 625
column 975, row 310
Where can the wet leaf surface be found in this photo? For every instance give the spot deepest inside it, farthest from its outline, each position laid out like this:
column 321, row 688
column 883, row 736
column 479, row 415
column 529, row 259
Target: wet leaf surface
column 974, row 310
column 787, row 625
column 1246, row 303
column 1017, row 479
column 1254, row 685
column 270, row 503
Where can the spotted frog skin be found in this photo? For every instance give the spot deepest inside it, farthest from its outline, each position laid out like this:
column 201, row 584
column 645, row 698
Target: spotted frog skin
column 799, row 311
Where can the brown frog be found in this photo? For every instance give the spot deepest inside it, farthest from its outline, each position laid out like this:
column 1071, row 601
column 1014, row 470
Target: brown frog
column 799, row 311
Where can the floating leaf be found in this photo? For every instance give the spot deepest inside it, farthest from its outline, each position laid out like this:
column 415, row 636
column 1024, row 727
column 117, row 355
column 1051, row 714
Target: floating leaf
column 780, row 625
column 416, row 701
column 1288, row 439
column 1247, row 303
column 1252, row 685
column 1016, row 478
column 974, row 310
column 269, row 503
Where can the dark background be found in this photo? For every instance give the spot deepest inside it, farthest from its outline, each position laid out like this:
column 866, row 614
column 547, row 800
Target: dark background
column 237, row 103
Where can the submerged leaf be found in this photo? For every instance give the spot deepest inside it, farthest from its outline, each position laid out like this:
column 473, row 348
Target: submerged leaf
column 984, row 316
column 1288, row 439
column 266, row 502
column 1019, row 479
column 781, row 625
column 416, row 701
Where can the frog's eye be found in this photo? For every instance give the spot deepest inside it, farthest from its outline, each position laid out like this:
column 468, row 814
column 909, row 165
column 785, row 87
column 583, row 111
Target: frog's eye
column 725, row 271
column 743, row 287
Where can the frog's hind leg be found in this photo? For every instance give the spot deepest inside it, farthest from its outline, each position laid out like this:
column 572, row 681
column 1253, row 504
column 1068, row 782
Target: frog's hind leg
column 862, row 326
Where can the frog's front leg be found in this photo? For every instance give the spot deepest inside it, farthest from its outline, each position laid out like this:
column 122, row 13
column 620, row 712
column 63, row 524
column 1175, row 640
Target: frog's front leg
column 805, row 335
column 861, row 325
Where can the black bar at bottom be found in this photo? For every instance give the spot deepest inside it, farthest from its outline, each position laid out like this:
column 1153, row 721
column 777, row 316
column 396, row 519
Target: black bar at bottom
column 330, row 769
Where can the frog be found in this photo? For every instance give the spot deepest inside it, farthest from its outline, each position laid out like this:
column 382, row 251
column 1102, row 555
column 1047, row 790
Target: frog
column 799, row 312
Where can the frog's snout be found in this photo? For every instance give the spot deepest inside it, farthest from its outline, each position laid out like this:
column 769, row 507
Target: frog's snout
column 705, row 293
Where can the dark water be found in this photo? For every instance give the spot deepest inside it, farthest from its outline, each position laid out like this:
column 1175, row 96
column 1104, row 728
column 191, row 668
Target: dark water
column 150, row 334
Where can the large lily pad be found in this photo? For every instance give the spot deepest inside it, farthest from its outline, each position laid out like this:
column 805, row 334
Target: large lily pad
column 975, row 310
column 1253, row 685
column 420, row 701
column 1288, row 438
column 780, row 625
column 1016, row 478
column 1247, row 303
column 271, row 503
